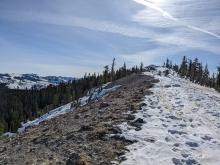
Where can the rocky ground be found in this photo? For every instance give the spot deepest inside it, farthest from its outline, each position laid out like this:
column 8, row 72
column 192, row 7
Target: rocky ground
column 87, row 135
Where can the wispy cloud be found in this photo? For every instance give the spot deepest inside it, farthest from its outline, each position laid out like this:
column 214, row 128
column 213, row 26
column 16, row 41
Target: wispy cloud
column 178, row 37
column 169, row 16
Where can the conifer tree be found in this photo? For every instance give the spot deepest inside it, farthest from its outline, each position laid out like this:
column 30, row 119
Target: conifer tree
column 205, row 76
column 183, row 67
column 113, row 70
column 167, row 63
column 190, row 71
column 218, row 78
column 106, row 73
column 141, row 67
column 124, row 69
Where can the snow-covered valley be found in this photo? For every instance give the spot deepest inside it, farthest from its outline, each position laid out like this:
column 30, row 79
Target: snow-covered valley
column 27, row 81
column 181, row 125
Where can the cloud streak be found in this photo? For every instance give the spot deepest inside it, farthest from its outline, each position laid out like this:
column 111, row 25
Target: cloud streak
column 169, row 16
column 135, row 31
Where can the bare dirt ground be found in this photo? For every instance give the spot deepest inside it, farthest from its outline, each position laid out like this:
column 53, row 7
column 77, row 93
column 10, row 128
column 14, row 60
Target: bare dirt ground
column 81, row 137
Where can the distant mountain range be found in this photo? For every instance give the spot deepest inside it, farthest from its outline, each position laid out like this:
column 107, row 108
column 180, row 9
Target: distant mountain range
column 27, row 81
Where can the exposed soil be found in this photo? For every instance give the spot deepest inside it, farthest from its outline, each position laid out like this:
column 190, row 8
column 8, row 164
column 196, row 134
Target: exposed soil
column 81, row 137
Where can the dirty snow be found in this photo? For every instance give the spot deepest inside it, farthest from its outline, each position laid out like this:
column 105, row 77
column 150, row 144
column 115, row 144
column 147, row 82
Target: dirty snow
column 182, row 125
column 51, row 114
column 97, row 93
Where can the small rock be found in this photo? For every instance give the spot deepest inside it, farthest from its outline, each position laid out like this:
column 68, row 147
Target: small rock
column 120, row 153
column 115, row 130
column 2, row 149
column 76, row 159
column 176, row 85
column 131, row 107
column 137, row 123
column 122, row 138
column 139, row 120
column 137, row 128
column 76, row 116
column 99, row 134
column 167, row 86
column 123, row 158
column 103, row 105
column 86, row 128
column 130, row 117
column 70, row 135
column 142, row 105
column 73, row 159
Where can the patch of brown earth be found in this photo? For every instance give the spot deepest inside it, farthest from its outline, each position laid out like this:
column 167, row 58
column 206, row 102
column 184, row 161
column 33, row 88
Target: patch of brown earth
column 81, row 137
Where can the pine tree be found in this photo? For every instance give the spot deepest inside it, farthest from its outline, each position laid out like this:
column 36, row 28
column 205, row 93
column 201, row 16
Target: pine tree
column 213, row 81
column 106, row 73
column 205, row 76
column 190, row 70
column 195, row 70
column 199, row 74
column 1, row 127
column 141, row 67
column 124, row 69
column 167, row 63
column 176, row 68
column 113, row 70
column 170, row 65
column 218, row 78
column 183, row 67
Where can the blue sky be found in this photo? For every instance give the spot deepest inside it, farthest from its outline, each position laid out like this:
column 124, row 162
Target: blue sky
column 71, row 37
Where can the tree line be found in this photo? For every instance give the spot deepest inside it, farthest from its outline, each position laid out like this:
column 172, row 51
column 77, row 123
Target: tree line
column 196, row 72
column 18, row 106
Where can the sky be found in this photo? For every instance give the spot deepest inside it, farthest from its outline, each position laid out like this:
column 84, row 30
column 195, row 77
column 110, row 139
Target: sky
column 71, row 37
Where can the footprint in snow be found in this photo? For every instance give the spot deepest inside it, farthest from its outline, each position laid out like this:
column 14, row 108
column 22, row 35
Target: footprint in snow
column 192, row 144
column 207, row 138
column 184, row 161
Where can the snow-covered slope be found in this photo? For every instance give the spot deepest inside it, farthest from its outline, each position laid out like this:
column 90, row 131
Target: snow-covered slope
column 182, row 125
column 23, row 81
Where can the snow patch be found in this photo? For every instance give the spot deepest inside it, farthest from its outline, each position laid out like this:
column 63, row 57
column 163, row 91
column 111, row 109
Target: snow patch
column 51, row 114
column 97, row 93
